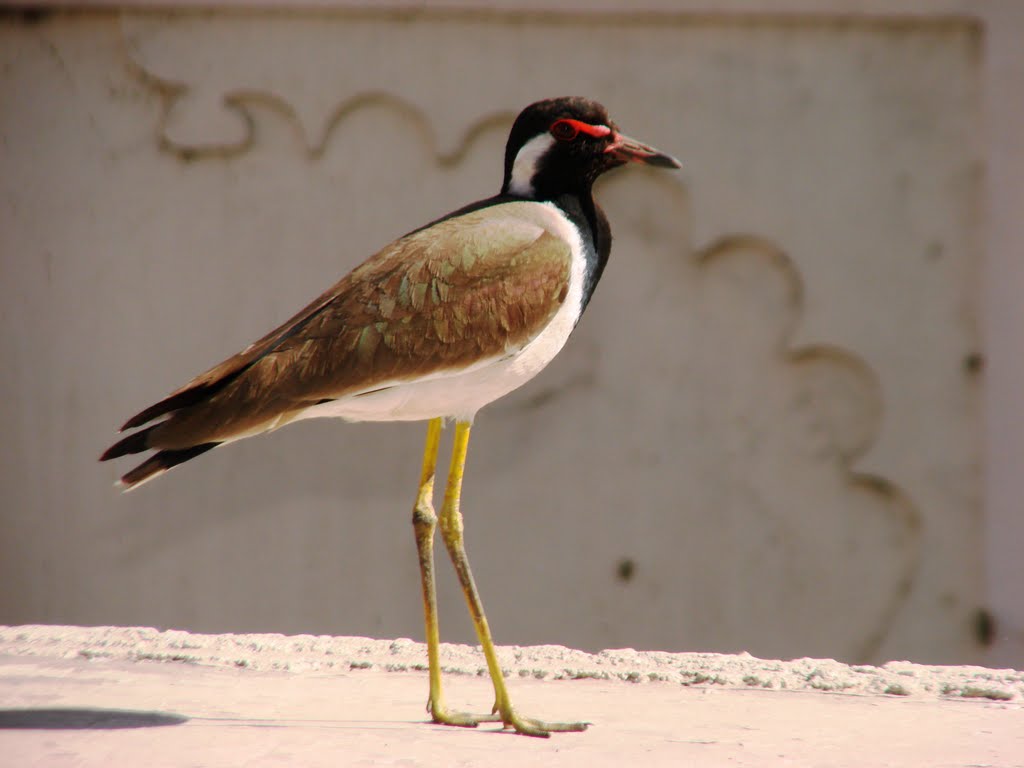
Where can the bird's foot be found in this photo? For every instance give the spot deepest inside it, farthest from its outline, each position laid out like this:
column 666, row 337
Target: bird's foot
column 443, row 716
column 508, row 717
column 539, row 728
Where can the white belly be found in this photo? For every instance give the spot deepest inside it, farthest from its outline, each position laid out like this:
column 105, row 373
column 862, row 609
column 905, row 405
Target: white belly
column 458, row 394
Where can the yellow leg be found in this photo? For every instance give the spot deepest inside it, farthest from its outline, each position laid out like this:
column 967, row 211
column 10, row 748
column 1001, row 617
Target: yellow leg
column 424, row 522
column 451, row 530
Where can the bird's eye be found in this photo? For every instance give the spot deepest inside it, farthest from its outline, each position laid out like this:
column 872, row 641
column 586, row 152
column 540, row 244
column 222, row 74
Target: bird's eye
column 564, row 130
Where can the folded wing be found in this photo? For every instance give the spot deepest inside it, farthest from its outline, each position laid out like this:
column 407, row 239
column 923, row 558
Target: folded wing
column 473, row 287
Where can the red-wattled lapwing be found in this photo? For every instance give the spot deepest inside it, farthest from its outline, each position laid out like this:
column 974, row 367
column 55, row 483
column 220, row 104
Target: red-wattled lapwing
column 434, row 326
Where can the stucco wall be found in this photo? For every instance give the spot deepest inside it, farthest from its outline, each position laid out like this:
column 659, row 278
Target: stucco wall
column 766, row 434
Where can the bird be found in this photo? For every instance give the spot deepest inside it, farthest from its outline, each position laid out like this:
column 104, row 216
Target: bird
column 433, row 327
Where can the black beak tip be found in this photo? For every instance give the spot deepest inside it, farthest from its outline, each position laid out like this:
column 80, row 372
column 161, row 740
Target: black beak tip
column 662, row 160
column 629, row 150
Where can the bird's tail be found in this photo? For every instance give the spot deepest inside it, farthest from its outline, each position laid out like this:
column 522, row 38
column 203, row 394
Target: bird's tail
column 155, row 465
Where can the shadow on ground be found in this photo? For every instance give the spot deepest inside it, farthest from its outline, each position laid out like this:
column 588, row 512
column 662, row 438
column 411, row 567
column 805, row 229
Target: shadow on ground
column 84, row 718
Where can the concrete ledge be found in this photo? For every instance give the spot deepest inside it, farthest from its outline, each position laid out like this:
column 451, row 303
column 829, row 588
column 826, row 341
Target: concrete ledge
column 137, row 696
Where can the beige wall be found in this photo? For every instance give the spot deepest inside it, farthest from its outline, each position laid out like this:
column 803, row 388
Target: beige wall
column 772, row 410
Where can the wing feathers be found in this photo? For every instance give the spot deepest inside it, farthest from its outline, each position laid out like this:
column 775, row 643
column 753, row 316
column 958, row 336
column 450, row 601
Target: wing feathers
column 213, row 380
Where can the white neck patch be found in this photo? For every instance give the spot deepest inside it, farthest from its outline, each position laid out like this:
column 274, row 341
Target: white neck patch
column 525, row 165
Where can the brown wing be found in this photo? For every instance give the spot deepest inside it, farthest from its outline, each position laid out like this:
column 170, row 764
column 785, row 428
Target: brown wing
column 209, row 382
column 478, row 286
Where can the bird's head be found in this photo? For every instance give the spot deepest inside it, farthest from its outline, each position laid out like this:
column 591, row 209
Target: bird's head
column 562, row 145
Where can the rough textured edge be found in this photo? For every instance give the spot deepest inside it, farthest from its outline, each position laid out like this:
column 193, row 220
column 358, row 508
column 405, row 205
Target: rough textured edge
column 339, row 655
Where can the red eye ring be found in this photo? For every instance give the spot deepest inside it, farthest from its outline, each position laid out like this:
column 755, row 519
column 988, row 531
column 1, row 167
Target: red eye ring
column 565, row 130
column 568, row 129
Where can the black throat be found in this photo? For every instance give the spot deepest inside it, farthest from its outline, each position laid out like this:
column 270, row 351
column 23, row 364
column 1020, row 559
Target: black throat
column 595, row 232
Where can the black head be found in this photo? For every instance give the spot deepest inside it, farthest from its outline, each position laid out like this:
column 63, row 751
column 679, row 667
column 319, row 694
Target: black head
column 562, row 145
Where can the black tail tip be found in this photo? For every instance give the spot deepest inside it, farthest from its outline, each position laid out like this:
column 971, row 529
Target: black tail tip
column 136, row 443
column 159, row 463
